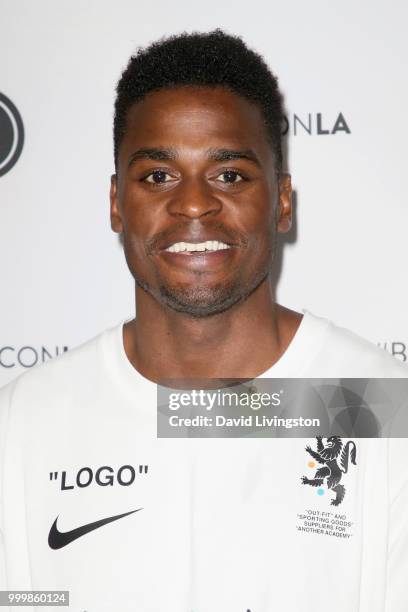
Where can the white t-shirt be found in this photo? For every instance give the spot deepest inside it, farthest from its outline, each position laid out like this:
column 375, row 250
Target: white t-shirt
column 209, row 525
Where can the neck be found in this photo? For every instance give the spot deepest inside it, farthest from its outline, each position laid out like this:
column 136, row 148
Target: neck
column 242, row 342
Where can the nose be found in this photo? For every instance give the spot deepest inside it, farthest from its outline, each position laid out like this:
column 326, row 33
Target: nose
column 194, row 199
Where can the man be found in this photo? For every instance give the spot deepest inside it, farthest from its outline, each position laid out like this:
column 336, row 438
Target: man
column 91, row 500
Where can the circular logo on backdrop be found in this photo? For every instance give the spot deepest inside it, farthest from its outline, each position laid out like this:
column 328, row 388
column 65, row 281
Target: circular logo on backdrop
column 11, row 134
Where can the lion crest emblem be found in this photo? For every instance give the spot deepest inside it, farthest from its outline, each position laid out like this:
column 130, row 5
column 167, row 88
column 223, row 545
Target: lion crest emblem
column 329, row 455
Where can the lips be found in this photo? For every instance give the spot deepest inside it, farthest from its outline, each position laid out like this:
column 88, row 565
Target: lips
column 200, row 256
column 197, row 247
column 199, row 261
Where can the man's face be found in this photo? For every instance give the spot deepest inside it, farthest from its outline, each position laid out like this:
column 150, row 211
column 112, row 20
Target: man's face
column 195, row 172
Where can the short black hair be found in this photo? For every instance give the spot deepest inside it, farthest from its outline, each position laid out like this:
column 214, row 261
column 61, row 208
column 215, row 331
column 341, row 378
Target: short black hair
column 208, row 59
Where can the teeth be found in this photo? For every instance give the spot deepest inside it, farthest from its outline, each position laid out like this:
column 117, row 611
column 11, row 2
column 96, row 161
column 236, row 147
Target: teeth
column 209, row 245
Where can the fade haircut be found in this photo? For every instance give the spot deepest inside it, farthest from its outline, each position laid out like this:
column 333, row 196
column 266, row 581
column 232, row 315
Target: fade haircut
column 207, row 59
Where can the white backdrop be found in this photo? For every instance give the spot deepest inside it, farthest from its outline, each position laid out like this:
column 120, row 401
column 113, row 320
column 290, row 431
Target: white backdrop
column 64, row 278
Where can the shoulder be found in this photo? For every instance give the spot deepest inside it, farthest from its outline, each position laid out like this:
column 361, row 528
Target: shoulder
column 61, row 374
column 347, row 354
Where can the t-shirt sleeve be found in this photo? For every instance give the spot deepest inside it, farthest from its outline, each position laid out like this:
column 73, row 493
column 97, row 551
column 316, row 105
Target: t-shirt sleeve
column 5, row 394
column 397, row 562
column 3, row 583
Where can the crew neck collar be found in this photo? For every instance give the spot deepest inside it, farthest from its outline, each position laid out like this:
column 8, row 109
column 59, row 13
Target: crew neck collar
column 300, row 352
column 293, row 363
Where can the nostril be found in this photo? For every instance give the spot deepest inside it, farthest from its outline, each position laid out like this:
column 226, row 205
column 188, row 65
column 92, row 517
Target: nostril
column 194, row 208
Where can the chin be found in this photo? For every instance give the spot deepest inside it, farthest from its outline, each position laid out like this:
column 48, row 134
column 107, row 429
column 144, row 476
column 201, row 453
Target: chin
column 199, row 309
column 200, row 302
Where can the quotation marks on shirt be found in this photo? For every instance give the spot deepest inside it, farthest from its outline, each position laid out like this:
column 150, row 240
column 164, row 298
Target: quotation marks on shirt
column 103, row 476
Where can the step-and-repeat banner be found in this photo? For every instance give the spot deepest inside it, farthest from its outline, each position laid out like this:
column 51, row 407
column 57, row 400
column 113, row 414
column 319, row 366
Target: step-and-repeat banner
column 342, row 69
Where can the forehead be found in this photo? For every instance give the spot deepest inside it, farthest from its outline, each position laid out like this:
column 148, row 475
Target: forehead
column 196, row 116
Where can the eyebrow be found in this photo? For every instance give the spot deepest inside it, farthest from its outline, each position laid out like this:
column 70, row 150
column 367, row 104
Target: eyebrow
column 154, row 153
column 168, row 153
column 227, row 154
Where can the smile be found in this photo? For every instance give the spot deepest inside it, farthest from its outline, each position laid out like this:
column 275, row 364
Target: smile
column 190, row 247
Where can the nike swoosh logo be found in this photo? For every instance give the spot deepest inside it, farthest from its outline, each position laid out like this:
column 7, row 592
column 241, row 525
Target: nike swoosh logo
column 59, row 539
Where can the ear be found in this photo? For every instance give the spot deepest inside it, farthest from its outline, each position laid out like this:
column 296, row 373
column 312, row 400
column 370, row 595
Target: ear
column 115, row 218
column 284, row 214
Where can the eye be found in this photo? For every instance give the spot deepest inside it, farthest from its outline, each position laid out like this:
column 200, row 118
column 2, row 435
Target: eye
column 231, row 176
column 157, row 177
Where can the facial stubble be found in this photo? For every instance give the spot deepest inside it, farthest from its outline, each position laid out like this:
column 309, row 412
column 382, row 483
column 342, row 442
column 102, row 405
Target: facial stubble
column 203, row 299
